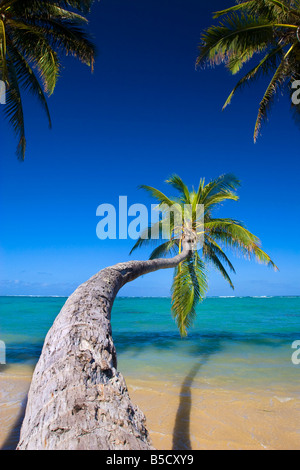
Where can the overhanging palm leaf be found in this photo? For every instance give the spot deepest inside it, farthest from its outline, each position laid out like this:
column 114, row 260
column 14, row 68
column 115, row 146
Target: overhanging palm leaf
column 235, row 236
column 264, row 28
column 266, row 8
column 34, row 34
column 168, row 248
column 189, row 287
column 211, row 256
column 266, row 65
column 153, row 233
column 14, row 111
column 28, row 80
column 158, row 195
column 176, row 182
column 277, row 80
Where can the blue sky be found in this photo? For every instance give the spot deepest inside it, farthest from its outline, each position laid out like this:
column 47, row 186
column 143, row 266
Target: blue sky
column 143, row 115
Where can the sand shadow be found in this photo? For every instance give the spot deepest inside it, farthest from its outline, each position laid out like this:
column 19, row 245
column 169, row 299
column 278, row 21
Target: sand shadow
column 181, row 431
column 13, row 437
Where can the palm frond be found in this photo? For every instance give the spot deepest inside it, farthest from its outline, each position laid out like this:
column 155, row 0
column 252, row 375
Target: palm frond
column 37, row 33
column 199, row 193
column 158, row 195
column 242, row 6
column 267, row 64
column 275, row 84
column 222, row 184
column 176, row 182
column 81, row 5
column 234, row 35
column 165, row 249
column 31, row 7
column 267, row 28
column 234, row 235
column 14, row 110
column 219, row 190
column 211, row 255
column 188, row 289
column 271, row 9
column 32, row 43
column 215, row 247
column 153, row 234
column 66, row 37
column 28, row 80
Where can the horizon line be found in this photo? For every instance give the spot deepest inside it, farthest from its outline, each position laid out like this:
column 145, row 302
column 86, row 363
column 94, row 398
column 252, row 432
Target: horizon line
column 158, row 297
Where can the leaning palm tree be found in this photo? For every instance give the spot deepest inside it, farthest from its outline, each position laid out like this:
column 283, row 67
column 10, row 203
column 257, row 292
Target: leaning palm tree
column 191, row 213
column 265, row 31
column 34, row 35
column 77, row 398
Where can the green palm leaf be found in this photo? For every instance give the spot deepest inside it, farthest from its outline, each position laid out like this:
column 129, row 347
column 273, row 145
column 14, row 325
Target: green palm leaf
column 266, row 65
column 277, row 81
column 34, row 35
column 158, row 195
column 235, row 236
column 153, row 234
column 211, row 255
column 235, row 35
column 168, row 248
column 28, row 80
column 215, row 247
column 267, row 29
column 32, row 43
column 14, row 110
column 178, row 184
column 219, row 190
column 265, row 8
column 188, row 289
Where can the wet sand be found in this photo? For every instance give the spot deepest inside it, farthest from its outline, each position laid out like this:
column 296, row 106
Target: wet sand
column 185, row 417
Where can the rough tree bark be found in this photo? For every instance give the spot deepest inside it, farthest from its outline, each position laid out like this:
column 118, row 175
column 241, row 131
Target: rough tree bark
column 77, row 398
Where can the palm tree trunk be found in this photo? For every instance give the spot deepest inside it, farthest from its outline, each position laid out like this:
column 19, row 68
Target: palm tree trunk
column 77, row 398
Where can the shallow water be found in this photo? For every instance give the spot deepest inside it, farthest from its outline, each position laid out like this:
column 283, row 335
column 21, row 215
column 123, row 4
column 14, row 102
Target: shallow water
column 235, row 341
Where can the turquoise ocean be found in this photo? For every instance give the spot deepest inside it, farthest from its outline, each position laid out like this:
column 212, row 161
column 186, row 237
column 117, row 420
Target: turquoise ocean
column 235, row 342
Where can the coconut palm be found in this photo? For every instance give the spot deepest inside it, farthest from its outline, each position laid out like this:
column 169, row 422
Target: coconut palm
column 34, row 35
column 77, row 398
column 267, row 31
column 211, row 236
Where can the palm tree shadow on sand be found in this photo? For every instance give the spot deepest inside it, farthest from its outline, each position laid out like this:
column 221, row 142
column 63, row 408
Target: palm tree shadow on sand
column 181, row 431
column 13, row 436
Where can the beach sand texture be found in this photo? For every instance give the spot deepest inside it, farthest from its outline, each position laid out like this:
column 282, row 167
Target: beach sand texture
column 184, row 418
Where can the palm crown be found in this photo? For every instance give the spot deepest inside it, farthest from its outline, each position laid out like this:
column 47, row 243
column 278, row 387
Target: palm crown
column 33, row 36
column 216, row 234
column 266, row 29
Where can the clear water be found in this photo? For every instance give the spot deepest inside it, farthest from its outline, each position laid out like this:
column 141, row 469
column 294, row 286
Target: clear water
column 235, row 342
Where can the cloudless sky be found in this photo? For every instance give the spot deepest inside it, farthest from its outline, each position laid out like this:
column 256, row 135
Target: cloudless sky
column 143, row 115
